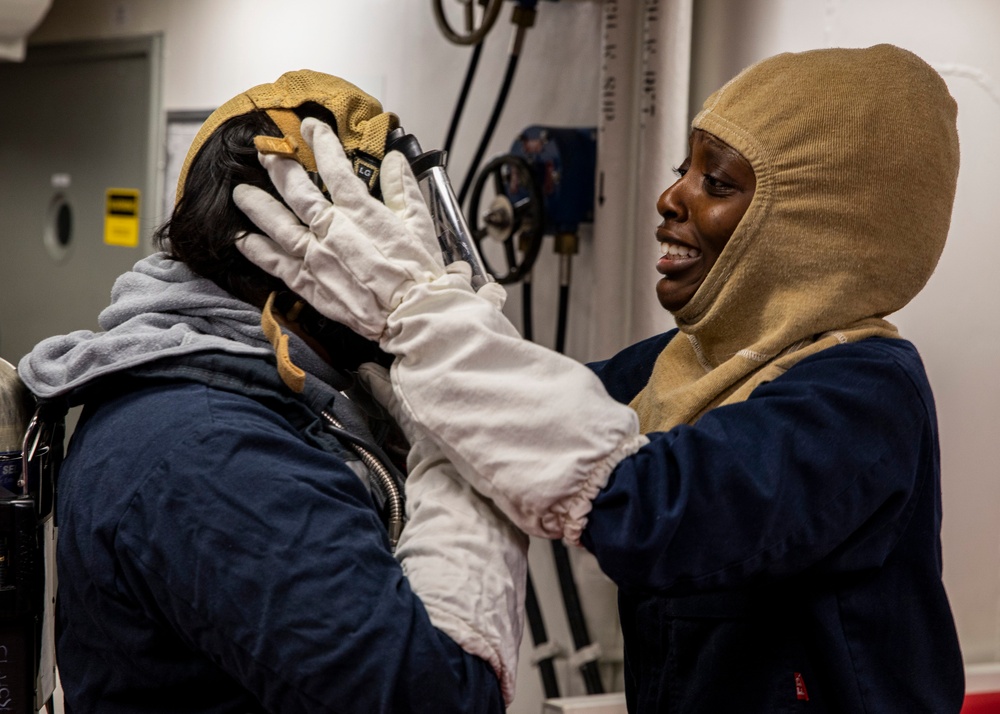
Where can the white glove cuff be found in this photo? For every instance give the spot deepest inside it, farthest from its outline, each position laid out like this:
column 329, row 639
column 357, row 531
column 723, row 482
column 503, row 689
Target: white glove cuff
column 569, row 516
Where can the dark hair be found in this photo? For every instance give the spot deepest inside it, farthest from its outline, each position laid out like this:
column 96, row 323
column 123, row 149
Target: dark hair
column 206, row 222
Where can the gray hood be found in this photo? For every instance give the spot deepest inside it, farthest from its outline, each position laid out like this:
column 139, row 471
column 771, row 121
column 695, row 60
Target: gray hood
column 158, row 309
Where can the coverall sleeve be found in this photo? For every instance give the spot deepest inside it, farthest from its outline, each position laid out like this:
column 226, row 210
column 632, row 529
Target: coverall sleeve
column 818, row 469
column 265, row 555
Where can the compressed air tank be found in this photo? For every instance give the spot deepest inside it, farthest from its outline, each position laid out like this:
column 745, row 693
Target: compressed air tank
column 15, row 410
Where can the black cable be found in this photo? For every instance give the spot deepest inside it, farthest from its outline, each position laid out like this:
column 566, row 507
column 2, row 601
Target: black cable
column 540, row 637
column 456, row 116
column 526, row 309
column 562, row 319
column 571, row 599
column 508, row 80
column 574, row 613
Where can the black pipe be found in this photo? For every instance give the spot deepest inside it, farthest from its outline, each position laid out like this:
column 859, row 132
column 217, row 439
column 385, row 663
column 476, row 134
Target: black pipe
column 562, row 319
column 501, row 99
column 571, row 599
column 456, row 116
column 539, row 636
column 574, row 613
column 527, row 328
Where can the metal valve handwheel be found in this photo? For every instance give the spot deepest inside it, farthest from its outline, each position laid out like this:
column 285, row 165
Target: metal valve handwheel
column 473, row 34
column 513, row 219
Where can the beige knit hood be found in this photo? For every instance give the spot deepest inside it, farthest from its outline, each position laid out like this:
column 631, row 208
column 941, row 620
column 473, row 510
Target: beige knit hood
column 855, row 153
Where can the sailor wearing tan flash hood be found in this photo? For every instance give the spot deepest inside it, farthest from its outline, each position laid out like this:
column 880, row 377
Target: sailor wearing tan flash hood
column 769, row 501
column 229, row 503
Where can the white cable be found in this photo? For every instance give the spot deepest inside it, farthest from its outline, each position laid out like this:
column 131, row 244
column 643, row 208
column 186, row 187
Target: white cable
column 584, row 655
column 544, row 651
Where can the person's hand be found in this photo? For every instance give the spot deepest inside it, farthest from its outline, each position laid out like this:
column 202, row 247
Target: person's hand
column 463, row 558
column 354, row 258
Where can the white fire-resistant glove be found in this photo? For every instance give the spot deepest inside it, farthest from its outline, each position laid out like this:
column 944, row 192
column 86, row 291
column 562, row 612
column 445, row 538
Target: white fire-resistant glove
column 465, row 560
column 324, row 261
column 530, row 429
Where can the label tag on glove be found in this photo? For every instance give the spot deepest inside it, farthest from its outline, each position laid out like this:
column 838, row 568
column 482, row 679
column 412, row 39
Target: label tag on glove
column 366, row 168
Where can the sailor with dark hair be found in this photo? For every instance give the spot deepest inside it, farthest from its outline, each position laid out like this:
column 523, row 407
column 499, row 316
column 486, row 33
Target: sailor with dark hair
column 231, row 500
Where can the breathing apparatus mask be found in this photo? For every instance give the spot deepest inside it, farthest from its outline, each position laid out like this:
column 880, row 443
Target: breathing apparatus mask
column 367, row 133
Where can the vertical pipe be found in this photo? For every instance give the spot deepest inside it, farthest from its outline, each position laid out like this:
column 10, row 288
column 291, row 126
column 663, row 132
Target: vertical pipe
column 540, row 638
column 642, row 132
column 614, row 202
column 662, row 128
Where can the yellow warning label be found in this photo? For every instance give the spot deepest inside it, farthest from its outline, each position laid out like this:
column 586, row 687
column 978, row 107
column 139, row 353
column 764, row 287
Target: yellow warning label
column 121, row 217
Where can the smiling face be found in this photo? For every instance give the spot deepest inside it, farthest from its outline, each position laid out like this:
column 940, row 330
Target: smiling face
column 700, row 212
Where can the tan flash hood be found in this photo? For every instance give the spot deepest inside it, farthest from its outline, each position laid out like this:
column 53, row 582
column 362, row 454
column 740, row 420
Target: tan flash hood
column 361, row 124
